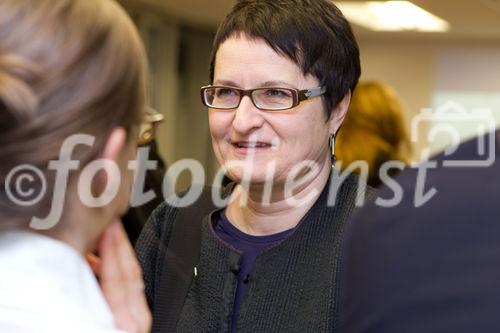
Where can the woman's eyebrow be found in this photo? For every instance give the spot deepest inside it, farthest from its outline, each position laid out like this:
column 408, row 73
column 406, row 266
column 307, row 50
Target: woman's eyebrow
column 276, row 84
column 273, row 83
column 225, row 83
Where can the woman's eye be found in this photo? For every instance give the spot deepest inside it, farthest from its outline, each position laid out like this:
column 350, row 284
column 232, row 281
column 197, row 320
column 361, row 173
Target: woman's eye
column 277, row 93
column 224, row 92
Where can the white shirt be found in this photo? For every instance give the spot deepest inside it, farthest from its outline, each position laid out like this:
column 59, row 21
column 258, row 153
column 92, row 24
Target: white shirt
column 47, row 286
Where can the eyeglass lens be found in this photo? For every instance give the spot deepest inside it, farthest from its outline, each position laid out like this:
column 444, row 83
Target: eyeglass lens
column 265, row 98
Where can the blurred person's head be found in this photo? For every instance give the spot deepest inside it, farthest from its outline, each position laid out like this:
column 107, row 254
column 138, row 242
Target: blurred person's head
column 374, row 130
column 68, row 67
column 302, row 45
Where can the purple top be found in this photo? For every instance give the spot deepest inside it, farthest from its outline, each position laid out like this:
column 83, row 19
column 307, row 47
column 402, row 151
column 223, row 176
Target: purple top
column 250, row 247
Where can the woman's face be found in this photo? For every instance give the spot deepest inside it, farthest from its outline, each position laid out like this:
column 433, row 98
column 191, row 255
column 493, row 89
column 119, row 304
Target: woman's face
column 284, row 138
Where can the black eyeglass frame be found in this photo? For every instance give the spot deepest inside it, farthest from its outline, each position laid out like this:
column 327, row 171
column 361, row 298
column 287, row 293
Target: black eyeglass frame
column 297, row 95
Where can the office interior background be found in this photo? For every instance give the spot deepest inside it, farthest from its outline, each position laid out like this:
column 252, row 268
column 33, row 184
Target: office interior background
column 456, row 70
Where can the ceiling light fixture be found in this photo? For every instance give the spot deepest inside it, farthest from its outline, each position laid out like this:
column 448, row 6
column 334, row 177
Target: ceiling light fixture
column 392, row 16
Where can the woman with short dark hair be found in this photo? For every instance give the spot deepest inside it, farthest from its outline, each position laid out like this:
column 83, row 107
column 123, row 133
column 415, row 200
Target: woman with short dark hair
column 281, row 78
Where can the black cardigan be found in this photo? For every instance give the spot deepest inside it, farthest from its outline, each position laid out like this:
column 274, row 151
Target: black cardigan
column 292, row 287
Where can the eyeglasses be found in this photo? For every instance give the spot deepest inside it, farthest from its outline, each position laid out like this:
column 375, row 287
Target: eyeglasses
column 268, row 99
column 152, row 119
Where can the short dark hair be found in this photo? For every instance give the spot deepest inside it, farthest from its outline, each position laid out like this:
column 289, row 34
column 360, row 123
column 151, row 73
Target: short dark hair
column 312, row 33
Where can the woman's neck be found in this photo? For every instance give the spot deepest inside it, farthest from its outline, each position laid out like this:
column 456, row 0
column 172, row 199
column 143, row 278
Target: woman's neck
column 252, row 213
column 66, row 236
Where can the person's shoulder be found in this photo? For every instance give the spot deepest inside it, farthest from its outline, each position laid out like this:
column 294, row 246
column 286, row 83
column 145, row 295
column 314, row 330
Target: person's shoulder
column 157, row 229
column 163, row 216
column 392, row 250
column 193, row 201
column 350, row 189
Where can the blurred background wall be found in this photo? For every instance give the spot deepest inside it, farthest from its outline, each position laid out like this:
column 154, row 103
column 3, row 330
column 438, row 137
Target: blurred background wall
column 427, row 69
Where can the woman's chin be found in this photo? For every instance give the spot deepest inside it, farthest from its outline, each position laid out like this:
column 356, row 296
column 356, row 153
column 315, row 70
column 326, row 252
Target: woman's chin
column 255, row 177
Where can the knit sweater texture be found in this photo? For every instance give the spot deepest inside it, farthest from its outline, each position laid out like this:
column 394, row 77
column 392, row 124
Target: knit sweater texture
column 293, row 286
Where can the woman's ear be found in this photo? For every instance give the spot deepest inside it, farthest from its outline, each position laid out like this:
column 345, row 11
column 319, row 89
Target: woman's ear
column 115, row 144
column 113, row 148
column 339, row 112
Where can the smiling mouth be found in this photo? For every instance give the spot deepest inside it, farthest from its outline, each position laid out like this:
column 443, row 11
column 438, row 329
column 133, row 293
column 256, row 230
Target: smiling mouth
column 251, row 145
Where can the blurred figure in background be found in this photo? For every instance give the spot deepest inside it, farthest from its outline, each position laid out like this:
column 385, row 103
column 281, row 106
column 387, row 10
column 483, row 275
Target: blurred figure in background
column 136, row 216
column 373, row 131
column 431, row 267
column 68, row 67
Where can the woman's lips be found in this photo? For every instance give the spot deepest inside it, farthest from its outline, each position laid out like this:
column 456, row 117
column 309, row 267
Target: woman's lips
column 247, row 144
column 244, row 147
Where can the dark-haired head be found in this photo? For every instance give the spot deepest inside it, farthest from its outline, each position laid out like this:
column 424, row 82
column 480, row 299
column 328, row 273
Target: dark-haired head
column 312, row 33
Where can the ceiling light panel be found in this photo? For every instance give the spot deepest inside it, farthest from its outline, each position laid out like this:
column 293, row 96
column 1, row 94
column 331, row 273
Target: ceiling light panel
column 392, row 16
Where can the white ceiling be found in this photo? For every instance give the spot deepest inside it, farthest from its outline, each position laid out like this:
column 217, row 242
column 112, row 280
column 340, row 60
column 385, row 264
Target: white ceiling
column 469, row 19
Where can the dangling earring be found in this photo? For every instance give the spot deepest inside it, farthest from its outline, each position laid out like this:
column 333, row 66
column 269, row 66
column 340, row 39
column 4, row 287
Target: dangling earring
column 331, row 144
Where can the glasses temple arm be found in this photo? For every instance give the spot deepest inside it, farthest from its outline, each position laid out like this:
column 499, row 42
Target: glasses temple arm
column 310, row 93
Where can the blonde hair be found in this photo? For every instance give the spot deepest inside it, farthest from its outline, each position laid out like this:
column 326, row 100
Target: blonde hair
column 66, row 67
column 373, row 130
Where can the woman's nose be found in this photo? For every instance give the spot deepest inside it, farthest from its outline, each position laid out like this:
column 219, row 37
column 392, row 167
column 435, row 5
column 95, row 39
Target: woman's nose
column 247, row 117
